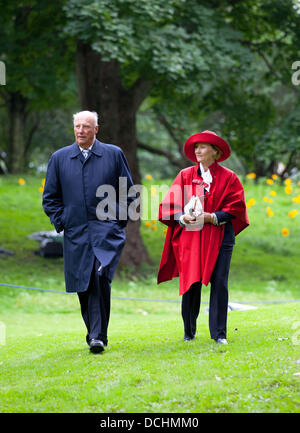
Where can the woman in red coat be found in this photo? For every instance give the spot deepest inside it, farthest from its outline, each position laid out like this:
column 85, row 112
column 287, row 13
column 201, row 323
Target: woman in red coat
column 204, row 210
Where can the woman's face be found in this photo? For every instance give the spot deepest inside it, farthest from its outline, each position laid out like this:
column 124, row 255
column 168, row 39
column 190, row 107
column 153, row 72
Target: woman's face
column 205, row 153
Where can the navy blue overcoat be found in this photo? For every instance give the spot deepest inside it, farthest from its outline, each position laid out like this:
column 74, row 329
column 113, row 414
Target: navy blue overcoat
column 72, row 198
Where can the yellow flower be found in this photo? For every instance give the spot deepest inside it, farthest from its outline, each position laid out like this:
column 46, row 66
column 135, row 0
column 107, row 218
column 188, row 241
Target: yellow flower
column 41, row 189
column 296, row 199
column 165, row 232
column 270, row 213
column 288, row 189
column 148, row 224
column 43, row 182
column 266, row 198
column 298, row 183
column 285, row 232
column 149, row 177
column 21, row 181
column 293, row 213
column 270, row 200
column 251, row 176
column 288, row 181
column 274, row 176
column 153, row 221
column 154, row 228
column 270, row 181
column 273, row 193
column 251, row 202
column 153, row 190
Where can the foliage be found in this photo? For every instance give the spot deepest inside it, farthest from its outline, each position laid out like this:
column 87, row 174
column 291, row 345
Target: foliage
column 222, row 65
column 254, row 106
column 158, row 40
column 37, row 63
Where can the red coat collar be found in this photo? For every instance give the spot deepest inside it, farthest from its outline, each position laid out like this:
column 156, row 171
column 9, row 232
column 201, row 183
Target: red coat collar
column 196, row 178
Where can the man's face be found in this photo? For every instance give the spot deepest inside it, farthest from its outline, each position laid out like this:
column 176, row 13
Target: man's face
column 85, row 131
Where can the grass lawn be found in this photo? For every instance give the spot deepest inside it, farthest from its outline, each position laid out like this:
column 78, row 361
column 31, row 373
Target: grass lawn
column 46, row 366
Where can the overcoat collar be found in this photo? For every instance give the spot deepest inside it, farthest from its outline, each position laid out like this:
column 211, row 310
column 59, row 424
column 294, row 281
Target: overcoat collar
column 213, row 170
column 96, row 149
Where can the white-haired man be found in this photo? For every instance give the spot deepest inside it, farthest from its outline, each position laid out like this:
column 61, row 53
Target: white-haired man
column 92, row 243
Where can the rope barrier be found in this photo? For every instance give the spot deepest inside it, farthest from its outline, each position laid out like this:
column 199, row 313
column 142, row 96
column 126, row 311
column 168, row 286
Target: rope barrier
column 72, row 293
column 147, row 300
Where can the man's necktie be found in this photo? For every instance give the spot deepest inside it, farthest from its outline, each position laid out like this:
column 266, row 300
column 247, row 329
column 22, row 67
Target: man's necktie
column 85, row 153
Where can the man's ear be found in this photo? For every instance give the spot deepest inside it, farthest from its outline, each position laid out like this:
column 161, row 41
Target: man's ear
column 96, row 129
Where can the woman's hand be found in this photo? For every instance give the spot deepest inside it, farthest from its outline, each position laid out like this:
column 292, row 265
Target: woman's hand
column 188, row 219
column 205, row 217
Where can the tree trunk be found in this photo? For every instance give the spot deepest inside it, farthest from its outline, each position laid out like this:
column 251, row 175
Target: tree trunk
column 101, row 90
column 17, row 118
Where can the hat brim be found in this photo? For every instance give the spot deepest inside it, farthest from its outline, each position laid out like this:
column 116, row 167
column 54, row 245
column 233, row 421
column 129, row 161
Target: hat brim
column 210, row 138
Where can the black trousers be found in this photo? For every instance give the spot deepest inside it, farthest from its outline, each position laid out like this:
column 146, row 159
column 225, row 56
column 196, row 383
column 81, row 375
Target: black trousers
column 95, row 305
column 218, row 302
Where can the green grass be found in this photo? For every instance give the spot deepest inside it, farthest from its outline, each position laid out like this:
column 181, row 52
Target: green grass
column 45, row 363
column 46, row 367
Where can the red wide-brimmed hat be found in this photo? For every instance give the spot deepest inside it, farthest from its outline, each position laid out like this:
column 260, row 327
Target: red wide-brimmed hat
column 206, row 137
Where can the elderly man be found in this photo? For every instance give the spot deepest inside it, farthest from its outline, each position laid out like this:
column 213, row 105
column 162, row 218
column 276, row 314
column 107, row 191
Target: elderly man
column 73, row 198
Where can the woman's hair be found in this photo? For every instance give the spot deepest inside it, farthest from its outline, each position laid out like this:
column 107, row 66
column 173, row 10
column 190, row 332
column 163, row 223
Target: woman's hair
column 218, row 150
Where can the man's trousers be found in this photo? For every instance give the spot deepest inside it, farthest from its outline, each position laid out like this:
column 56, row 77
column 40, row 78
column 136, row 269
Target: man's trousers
column 218, row 302
column 95, row 305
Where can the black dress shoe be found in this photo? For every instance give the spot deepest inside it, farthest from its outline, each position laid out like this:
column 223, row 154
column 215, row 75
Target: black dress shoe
column 88, row 341
column 221, row 340
column 96, row 346
column 188, row 338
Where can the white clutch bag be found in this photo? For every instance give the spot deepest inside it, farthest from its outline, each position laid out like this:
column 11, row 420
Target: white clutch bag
column 194, row 208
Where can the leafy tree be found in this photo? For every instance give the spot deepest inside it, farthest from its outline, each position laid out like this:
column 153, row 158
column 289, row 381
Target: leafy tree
column 271, row 29
column 37, row 65
column 256, row 106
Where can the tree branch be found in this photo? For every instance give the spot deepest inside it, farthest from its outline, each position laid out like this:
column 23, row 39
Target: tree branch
column 177, row 162
column 262, row 44
column 258, row 46
column 180, row 145
column 4, row 96
column 289, row 164
column 269, row 64
column 33, row 129
column 140, row 90
column 274, row 71
column 162, row 119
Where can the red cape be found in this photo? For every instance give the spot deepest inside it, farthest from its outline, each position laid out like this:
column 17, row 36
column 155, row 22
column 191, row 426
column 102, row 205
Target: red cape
column 192, row 255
